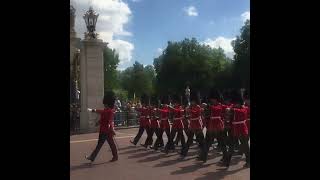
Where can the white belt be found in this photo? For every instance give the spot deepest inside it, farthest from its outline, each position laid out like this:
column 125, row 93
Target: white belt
column 215, row 117
column 195, row 119
column 239, row 122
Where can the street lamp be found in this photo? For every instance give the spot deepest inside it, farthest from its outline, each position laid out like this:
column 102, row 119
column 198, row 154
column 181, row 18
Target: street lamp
column 72, row 17
column 90, row 18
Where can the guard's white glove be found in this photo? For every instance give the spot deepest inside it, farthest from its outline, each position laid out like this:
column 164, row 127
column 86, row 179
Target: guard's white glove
column 90, row 109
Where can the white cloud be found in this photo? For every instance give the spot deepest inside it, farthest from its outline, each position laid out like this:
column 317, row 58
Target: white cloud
column 191, row 11
column 121, row 69
column 224, row 43
column 159, row 50
column 113, row 16
column 245, row 16
column 124, row 49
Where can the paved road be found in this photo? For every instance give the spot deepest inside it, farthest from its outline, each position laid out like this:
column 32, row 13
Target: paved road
column 138, row 163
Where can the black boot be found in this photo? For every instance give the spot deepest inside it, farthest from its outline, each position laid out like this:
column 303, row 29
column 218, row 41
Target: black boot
column 155, row 146
column 166, row 148
column 176, row 142
column 247, row 165
column 183, row 151
column 115, row 158
column 133, row 142
column 160, row 145
column 225, row 161
column 89, row 158
column 144, row 145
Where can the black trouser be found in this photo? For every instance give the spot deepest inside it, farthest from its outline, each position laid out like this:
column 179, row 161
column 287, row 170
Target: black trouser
column 102, row 138
column 249, row 129
column 228, row 138
column 221, row 137
column 244, row 147
column 159, row 141
column 140, row 132
column 149, row 140
column 180, row 136
column 177, row 140
column 200, row 139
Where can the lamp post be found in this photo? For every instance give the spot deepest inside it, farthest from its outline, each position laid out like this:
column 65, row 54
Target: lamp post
column 90, row 18
column 72, row 18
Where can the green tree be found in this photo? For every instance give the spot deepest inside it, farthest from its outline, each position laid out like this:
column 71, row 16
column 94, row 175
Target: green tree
column 241, row 46
column 111, row 61
column 138, row 79
column 188, row 61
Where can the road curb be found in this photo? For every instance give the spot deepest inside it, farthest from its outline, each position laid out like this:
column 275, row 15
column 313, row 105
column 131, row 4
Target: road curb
column 96, row 131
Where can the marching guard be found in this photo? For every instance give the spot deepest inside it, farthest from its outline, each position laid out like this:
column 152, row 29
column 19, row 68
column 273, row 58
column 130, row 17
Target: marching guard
column 195, row 126
column 106, row 127
column 215, row 125
column 164, row 125
column 177, row 126
column 144, row 121
column 239, row 129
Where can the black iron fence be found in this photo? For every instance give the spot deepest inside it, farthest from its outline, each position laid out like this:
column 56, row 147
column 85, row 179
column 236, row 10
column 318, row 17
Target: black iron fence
column 121, row 119
column 126, row 119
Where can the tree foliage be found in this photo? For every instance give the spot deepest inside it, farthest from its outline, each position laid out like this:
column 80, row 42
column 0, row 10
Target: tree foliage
column 111, row 61
column 241, row 46
column 188, row 62
column 138, row 80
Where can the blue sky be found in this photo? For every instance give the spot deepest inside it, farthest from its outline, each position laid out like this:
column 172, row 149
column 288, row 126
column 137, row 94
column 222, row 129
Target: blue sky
column 139, row 29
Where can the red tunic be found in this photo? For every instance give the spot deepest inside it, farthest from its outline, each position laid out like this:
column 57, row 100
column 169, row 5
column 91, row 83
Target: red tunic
column 164, row 121
column 178, row 117
column 154, row 121
column 215, row 123
column 144, row 117
column 195, row 118
column 106, row 120
column 239, row 126
column 248, row 117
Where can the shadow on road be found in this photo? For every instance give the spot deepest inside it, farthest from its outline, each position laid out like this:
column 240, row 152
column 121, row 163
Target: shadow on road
column 190, row 168
column 133, row 151
column 153, row 158
column 87, row 165
column 220, row 174
column 128, row 147
column 175, row 161
column 199, row 164
column 82, row 166
column 140, row 155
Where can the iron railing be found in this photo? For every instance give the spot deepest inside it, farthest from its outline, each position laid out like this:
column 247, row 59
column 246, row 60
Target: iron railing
column 121, row 119
column 126, row 119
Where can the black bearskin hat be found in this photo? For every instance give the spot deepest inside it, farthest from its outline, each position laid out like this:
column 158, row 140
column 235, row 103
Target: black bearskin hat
column 246, row 94
column 176, row 98
column 236, row 96
column 144, row 99
column 154, row 100
column 194, row 96
column 109, row 99
column 215, row 94
column 164, row 99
